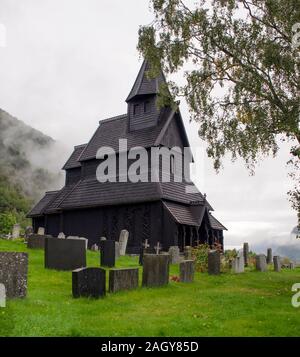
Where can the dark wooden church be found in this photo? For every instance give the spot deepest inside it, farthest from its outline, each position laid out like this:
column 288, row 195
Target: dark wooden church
column 162, row 211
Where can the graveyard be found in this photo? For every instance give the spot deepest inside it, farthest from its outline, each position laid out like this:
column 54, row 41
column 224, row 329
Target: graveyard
column 252, row 303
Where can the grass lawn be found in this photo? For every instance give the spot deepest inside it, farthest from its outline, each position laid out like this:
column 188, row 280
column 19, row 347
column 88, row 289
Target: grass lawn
column 250, row 304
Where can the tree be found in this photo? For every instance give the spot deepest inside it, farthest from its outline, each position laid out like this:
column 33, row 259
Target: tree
column 243, row 88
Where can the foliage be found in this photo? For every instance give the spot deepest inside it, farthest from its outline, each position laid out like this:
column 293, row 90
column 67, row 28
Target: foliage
column 241, row 68
column 225, row 305
column 200, row 254
column 7, row 220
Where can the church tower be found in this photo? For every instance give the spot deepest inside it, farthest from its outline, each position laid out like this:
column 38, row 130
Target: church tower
column 142, row 108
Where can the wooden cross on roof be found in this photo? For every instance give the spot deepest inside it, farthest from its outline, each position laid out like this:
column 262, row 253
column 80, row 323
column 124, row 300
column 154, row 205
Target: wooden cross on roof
column 157, row 248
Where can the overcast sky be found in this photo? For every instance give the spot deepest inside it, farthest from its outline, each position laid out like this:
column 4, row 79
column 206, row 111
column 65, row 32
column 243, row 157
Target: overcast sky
column 70, row 63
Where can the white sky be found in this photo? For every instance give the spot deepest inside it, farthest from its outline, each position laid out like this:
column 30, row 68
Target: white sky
column 70, row 63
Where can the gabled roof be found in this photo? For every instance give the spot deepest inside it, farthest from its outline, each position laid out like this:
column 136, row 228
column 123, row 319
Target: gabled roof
column 91, row 193
column 215, row 224
column 143, row 85
column 111, row 130
column 73, row 162
column 59, row 198
column 39, row 208
column 183, row 214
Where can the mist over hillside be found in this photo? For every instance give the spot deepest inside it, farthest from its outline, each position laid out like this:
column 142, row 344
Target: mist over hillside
column 30, row 164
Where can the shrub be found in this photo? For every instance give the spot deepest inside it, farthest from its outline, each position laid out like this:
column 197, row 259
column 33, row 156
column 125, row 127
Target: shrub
column 200, row 254
column 7, row 220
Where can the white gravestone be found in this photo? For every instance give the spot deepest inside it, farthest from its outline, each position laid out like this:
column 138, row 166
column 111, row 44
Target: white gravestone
column 238, row 265
column 61, row 235
column 16, row 231
column 41, row 231
column 80, row 238
column 123, row 241
column 2, row 296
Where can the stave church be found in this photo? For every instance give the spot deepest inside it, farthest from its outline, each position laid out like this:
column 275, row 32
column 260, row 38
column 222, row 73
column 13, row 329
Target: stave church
column 168, row 210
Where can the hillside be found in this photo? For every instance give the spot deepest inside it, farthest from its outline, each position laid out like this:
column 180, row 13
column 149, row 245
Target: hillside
column 23, row 176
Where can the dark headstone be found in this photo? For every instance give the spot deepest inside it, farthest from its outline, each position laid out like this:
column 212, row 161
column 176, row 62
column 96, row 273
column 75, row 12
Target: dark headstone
column 37, row 241
column 187, row 271
column 65, row 254
column 13, row 273
column 214, row 262
column 123, row 279
column 108, row 256
column 144, row 251
column 261, row 262
column 89, row 282
column 246, row 253
column 269, row 256
column 277, row 263
column 155, row 270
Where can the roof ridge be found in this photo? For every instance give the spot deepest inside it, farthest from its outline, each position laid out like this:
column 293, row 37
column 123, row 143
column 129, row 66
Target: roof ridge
column 116, row 117
column 79, row 146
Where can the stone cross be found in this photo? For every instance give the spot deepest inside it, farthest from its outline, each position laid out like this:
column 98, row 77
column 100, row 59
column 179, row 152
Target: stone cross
column 146, row 244
column 157, row 248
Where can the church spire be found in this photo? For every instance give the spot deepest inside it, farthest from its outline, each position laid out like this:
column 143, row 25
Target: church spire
column 143, row 85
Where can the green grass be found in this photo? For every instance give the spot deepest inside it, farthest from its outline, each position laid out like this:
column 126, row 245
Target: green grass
column 250, row 304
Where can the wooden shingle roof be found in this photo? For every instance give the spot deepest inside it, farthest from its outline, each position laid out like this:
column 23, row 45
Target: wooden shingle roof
column 183, row 214
column 39, row 208
column 73, row 162
column 143, row 85
column 111, row 130
column 215, row 224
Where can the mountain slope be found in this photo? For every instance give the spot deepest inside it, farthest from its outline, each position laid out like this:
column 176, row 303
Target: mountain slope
column 24, row 177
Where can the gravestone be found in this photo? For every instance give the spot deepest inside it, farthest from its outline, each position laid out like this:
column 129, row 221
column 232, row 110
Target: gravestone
column 187, row 271
column 144, row 250
column 117, row 250
column 36, row 241
column 86, row 241
column 102, row 239
column 123, row 241
column 16, row 231
column 214, row 262
column 188, row 253
column 108, row 255
column 246, row 254
column 277, row 263
column 238, row 265
column 261, row 262
column 174, row 254
column 89, row 282
column 269, row 256
column 61, row 235
column 28, row 231
column 2, row 295
column 65, row 254
column 291, row 265
column 94, row 248
column 41, row 231
column 13, row 273
column 123, row 279
column 155, row 270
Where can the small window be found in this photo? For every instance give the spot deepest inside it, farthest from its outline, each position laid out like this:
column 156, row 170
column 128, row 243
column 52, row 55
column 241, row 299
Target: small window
column 147, row 106
column 136, row 109
column 172, row 165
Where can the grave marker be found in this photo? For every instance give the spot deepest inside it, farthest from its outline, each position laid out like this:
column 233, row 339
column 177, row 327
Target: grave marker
column 89, row 282
column 123, row 279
